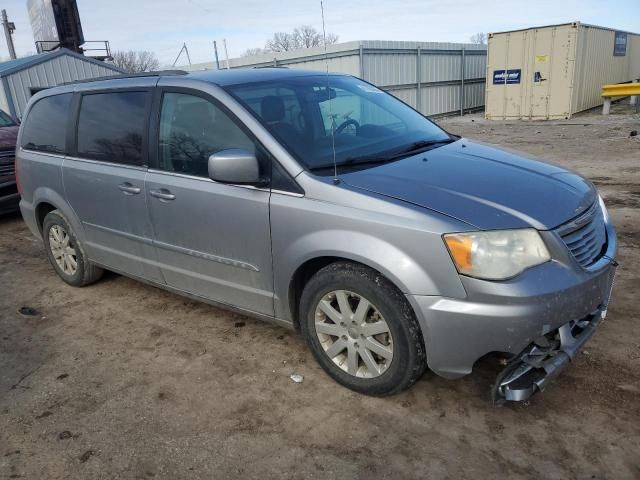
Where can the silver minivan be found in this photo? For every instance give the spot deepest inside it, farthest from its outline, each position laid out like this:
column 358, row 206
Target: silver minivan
column 321, row 203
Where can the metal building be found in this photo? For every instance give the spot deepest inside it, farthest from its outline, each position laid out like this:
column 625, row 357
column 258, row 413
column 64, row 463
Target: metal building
column 433, row 77
column 21, row 78
column 555, row 71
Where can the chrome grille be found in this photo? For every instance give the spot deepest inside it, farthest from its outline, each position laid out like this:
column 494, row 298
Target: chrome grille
column 586, row 236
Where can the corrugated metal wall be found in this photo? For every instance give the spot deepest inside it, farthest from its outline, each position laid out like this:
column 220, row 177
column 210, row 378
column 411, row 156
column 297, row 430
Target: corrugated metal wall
column 426, row 75
column 57, row 70
column 597, row 66
column 4, row 105
column 635, row 59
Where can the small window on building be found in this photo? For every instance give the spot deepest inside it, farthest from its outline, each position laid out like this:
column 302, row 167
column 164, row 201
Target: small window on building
column 45, row 129
column 111, row 127
column 191, row 129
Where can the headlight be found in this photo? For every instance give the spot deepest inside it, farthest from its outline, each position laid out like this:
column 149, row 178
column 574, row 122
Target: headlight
column 496, row 255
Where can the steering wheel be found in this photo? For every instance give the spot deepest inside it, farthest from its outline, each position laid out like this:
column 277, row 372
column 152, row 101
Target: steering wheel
column 346, row 123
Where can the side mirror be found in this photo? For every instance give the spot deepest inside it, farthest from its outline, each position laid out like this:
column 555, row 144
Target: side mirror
column 236, row 166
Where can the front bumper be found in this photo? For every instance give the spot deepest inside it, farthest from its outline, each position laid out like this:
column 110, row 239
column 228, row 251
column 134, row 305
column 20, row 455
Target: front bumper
column 533, row 369
column 510, row 316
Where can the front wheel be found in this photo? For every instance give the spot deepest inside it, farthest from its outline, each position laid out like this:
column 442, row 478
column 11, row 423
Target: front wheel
column 362, row 330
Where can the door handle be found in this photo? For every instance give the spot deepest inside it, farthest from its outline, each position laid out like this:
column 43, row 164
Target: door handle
column 162, row 194
column 129, row 189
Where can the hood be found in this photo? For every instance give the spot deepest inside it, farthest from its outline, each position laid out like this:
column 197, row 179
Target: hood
column 8, row 137
column 484, row 186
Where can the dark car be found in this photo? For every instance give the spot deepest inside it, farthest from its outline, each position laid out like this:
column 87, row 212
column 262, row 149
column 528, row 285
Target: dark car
column 9, row 196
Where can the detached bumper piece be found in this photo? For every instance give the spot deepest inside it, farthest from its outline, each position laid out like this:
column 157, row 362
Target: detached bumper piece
column 533, row 369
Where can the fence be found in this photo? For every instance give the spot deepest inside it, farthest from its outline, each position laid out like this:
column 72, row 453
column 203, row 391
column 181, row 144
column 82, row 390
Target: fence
column 436, row 78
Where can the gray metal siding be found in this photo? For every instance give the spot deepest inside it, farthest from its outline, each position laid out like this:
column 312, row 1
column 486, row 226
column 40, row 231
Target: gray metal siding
column 597, row 66
column 394, row 66
column 61, row 69
column 390, row 69
column 4, row 104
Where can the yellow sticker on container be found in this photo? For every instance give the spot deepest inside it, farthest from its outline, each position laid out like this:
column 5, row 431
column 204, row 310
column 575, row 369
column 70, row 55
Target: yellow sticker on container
column 542, row 58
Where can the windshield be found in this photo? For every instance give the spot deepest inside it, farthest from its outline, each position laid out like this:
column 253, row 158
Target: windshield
column 6, row 120
column 370, row 125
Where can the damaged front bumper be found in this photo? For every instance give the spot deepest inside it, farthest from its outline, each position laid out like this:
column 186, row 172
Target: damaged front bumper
column 539, row 319
column 533, row 369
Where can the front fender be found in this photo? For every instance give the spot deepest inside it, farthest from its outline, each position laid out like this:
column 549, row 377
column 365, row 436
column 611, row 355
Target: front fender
column 404, row 271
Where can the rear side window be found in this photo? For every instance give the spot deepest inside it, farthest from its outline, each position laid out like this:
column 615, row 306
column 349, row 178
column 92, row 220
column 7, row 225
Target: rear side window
column 111, row 127
column 45, row 128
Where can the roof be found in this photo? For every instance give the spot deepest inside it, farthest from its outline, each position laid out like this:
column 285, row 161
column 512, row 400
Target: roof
column 12, row 66
column 18, row 62
column 250, row 75
column 221, row 78
column 576, row 24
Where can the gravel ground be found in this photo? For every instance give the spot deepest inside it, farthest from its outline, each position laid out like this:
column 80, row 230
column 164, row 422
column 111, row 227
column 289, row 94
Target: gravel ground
column 123, row 380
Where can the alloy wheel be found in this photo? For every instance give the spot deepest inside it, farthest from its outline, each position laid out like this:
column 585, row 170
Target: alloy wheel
column 353, row 334
column 63, row 250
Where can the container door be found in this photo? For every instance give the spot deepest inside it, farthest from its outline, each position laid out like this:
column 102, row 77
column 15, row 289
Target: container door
column 551, row 61
column 505, row 92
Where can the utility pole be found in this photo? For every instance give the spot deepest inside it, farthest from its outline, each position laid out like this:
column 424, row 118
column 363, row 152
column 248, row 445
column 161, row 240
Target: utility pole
column 9, row 28
column 215, row 49
column 226, row 53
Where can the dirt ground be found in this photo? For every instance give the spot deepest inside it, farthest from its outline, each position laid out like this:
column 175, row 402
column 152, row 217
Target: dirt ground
column 123, row 380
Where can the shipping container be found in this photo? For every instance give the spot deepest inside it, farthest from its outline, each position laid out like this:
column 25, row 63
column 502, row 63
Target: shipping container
column 555, row 71
column 435, row 78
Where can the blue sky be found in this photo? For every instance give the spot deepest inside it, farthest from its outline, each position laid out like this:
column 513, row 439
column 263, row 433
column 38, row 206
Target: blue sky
column 163, row 25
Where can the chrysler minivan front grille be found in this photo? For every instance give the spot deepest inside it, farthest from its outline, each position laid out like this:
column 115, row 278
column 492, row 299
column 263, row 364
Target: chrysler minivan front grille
column 586, row 236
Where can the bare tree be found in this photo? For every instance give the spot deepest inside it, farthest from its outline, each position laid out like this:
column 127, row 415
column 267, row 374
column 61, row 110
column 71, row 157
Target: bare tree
column 280, row 42
column 478, row 38
column 304, row 36
column 331, row 38
column 136, row 62
column 251, row 52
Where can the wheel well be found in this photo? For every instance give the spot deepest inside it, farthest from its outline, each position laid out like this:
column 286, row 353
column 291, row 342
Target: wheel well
column 302, row 276
column 41, row 211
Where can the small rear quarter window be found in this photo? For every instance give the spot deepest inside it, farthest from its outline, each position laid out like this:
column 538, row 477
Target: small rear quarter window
column 45, row 129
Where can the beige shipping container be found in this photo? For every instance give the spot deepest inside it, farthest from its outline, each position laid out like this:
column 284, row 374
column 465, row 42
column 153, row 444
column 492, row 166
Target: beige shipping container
column 555, row 71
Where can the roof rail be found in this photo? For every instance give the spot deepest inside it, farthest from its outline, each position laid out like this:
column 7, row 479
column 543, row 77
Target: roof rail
column 271, row 66
column 158, row 73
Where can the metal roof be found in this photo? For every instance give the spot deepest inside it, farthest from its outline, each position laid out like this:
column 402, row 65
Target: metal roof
column 18, row 62
column 12, row 66
column 576, row 23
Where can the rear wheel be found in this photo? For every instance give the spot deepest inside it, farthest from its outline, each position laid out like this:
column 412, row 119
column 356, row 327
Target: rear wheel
column 362, row 330
column 65, row 252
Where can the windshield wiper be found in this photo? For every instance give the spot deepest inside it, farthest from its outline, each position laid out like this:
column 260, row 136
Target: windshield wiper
column 412, row 149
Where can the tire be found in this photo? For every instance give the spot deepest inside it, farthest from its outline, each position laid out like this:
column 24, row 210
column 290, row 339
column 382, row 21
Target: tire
column 60, row 241
column 348, row 284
